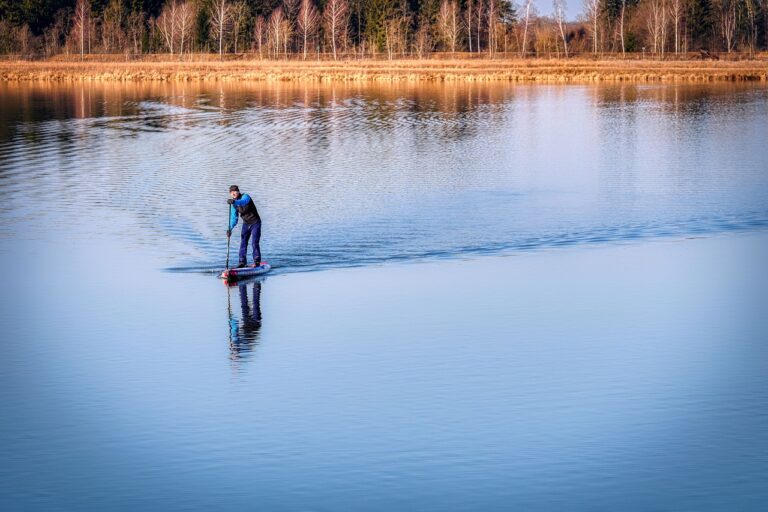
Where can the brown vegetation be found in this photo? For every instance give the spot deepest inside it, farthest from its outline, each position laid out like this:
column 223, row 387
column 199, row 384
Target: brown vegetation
column 510, row 70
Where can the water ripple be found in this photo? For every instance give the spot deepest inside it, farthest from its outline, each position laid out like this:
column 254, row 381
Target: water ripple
column 354, row 176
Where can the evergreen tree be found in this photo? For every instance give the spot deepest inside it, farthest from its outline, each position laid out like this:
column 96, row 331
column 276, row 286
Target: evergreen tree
column 699, row 25
column 376, row 14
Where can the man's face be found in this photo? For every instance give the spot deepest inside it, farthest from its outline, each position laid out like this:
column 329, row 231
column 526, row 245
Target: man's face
column 233, row 194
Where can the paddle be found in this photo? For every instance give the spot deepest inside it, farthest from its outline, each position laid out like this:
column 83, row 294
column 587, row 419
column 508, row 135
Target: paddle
column 229, row 234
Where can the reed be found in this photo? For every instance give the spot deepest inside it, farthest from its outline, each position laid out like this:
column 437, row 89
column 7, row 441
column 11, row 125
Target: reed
column 430, row 70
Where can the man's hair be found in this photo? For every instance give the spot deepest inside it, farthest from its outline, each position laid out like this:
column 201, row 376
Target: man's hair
column 234, row 188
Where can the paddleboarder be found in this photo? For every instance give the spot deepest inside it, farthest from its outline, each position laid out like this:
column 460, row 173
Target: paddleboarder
column 242, row 206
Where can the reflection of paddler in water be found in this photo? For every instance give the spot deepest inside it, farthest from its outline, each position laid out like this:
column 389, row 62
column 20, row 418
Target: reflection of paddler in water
column 244, row 331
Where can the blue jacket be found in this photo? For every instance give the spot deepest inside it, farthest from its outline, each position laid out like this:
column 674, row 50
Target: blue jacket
column 233, row 214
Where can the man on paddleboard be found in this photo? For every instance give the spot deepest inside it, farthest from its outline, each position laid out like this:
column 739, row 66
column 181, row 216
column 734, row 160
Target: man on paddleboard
column 242, row 205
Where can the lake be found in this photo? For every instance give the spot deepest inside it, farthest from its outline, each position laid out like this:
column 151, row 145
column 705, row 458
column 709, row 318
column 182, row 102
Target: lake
column 484, row 297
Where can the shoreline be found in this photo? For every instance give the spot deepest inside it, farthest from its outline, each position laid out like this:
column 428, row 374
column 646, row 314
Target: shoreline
column 414, row 71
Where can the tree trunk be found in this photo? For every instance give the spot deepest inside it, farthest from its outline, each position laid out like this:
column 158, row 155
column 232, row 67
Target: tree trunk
column 623, row 47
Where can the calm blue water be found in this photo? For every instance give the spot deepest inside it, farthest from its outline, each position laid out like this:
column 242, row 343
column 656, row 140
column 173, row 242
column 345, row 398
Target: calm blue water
column 484, row 297
column 353, row 176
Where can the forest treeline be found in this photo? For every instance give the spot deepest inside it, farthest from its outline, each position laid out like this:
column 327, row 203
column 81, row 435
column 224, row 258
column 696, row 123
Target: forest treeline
column 389, row 28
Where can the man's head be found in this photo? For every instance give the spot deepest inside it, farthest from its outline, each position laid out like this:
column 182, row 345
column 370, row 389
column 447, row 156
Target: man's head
column 234, row 192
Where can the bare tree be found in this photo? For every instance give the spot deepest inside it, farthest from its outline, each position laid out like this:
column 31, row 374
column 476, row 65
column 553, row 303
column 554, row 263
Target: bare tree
column 396, row 35
column 221, row 16
column 287, row 34
column 297, row 25
column 727, row 16
column 529, row 8
column 136, row 29
column 448, row 24
column 676, row 11
column 657, row 20
column 621, row 27
column 422, row 43
column 468, row 17
column 81, row 23
column 308, row 21
column 166, row 24
column 259, row 33
column 664, row 27
column 390, row 35
column 112, row 34
column 559, row 12
column 492, row 17
column 240, row 13
column 291, row 9
column 185, row 22
column 336, row 16
column 51, row 40
column 752, row 8
column 479, row 20
column 592, row 11
column 291, row 12
column 23, row 36
column 276, row 26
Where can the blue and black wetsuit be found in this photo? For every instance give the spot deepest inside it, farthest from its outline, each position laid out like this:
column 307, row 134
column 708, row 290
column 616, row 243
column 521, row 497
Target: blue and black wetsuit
column 245, row 208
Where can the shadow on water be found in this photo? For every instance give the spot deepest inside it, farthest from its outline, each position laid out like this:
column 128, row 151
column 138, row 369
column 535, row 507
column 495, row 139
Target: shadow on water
column 244, row 318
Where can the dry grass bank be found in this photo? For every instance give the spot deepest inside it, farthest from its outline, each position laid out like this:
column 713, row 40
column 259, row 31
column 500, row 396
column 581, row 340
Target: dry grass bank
column 511, row 70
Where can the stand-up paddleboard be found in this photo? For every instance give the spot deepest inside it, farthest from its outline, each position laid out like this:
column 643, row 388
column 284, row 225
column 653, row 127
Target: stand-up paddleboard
column 235, row 274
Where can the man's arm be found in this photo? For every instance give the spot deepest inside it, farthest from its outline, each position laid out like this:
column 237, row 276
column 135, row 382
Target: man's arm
column 243, row 200
column 232, row 217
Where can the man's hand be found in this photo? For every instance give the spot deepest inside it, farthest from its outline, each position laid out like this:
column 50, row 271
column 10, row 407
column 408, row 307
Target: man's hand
column 229, row 233
column 230, row 201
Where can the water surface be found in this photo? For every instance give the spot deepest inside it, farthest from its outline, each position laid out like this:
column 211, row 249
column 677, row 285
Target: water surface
column 484, row 298
column 347, row 176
